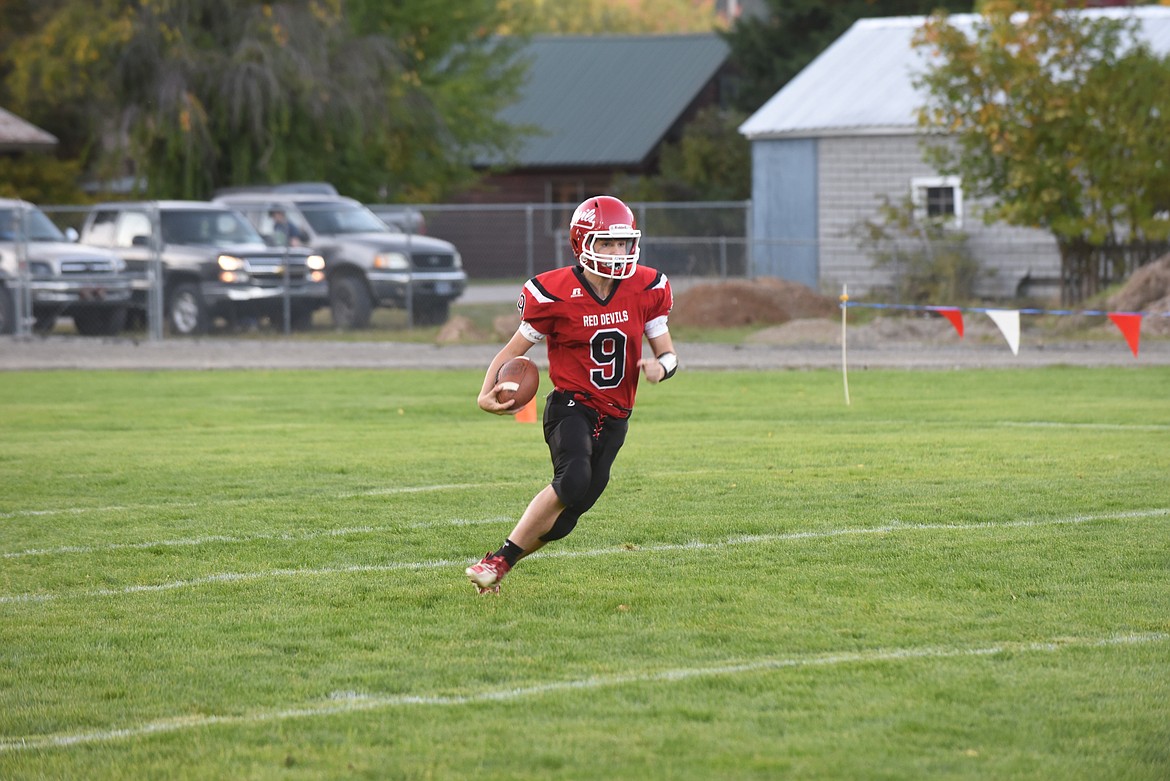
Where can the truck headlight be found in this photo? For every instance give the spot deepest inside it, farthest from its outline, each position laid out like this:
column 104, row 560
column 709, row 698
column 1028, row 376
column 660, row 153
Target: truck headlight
column 231, row 269
column 395, row 261
column 316, row 265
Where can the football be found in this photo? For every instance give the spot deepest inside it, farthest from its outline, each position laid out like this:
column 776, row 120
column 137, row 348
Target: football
column 521, row 378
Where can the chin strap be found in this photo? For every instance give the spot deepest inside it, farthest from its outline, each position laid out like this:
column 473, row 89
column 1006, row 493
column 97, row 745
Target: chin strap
column 669, row 362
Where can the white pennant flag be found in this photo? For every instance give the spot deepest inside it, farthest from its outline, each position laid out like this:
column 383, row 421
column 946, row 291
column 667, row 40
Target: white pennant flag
column 1008, row 321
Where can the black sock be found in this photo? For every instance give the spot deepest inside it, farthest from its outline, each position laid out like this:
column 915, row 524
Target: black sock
column 511, row 552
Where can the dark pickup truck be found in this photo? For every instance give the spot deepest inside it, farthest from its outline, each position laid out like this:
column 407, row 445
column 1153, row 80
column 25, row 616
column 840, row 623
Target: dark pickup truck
column 214, row 264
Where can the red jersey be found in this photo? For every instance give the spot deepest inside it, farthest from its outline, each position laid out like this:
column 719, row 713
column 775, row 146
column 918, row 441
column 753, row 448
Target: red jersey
column 594, row 344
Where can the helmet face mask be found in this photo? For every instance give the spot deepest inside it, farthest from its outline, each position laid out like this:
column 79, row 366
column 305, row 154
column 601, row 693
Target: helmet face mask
column 605, row 217
column 603, row 264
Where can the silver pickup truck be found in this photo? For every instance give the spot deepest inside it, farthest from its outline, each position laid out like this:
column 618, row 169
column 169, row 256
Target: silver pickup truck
column 44, row 275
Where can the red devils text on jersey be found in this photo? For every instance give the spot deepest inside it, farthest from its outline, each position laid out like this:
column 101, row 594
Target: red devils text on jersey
column 594, row 344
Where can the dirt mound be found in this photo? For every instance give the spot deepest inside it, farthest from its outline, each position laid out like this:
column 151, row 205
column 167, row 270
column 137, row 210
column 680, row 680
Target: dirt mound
column 762, row 301
column 802, row 332
column 459, row 329
column 1148, row 290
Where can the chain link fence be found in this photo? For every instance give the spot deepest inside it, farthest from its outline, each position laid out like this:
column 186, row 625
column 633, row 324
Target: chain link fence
column 141, row 269
column 508, row 243
column 518, row 241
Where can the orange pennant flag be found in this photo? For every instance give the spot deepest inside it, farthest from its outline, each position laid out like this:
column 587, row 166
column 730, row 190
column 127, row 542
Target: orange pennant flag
column 1130, row 325
column 953, row 314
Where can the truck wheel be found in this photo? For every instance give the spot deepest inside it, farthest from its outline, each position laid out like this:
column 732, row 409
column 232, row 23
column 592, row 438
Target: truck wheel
column 431, row 311
column 7, row 313
column 136, row 320
column 186, row 312
column 301, row 318
column 349, row 298
column 44, row 323
column 100, row 322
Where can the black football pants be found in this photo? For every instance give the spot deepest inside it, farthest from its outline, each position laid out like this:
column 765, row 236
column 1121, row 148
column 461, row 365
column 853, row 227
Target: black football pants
column 583, row 444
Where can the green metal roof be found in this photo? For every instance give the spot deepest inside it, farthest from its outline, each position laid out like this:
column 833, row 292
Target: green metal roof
column 608, row 100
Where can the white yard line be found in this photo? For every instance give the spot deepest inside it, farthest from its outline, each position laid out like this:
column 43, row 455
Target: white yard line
column 239, row 577
column 344, row 703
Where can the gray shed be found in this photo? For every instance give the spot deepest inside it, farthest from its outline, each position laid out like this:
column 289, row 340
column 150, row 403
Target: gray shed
column 842, row 134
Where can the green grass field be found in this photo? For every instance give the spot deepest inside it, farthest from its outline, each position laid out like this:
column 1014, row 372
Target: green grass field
column 230, row 575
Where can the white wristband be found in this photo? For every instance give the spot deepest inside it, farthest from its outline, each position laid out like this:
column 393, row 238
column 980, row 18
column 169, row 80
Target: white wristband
column 669, row 363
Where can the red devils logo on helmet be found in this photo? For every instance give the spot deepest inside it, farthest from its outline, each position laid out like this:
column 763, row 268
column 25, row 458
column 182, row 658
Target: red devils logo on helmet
column 605, row 217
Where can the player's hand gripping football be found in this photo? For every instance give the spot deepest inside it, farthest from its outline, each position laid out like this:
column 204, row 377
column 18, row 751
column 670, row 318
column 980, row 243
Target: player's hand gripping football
column 516, row 383
column 489, row 402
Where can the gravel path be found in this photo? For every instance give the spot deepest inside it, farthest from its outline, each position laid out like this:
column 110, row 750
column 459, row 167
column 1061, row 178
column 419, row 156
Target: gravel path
column 65, row 352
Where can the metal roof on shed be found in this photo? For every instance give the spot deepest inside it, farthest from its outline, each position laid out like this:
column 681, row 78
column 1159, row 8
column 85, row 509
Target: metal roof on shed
column 16, row 133
column 608, row 100
column 862, row 83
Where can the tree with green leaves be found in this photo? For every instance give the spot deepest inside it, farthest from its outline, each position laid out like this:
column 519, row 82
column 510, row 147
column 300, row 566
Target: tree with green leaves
column 191, row 95
column 594, row 17
column 1057, row 120
column 445, row 102
column 770, row 49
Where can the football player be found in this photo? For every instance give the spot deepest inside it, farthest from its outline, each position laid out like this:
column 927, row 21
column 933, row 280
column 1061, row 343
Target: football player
column 592, row 317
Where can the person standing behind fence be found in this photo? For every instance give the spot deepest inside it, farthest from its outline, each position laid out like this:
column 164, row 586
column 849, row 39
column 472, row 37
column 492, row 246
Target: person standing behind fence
column 285, row 231
column 594, row 316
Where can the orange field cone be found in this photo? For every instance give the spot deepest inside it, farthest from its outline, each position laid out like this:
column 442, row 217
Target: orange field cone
column 527, row 413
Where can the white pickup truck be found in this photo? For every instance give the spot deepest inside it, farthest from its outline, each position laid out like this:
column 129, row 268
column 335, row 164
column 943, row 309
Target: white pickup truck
column 44, row 275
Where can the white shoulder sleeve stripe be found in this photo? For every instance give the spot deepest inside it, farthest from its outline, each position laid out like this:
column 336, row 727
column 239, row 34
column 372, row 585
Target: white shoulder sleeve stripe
column 660, row 282
column 530, row 333
column 534, row 291
column 656, row 327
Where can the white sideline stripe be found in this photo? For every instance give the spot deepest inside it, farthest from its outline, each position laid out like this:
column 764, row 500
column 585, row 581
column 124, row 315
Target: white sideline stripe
column 240, row 577
column 344, row 703
column 279, row 536
column 112, row 508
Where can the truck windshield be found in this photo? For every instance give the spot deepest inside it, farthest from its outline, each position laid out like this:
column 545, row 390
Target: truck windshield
column 36, row 226
column 207, row 227
column 331, row 219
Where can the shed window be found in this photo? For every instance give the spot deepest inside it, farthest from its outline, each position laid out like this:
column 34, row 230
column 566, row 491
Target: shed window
column 938, row 197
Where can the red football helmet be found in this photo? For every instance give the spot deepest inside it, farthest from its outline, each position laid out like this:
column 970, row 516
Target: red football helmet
column 605, row 217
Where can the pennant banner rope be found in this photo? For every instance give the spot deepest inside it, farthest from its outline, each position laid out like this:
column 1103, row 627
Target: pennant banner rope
column 1008, row 320
column 1023, row 311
